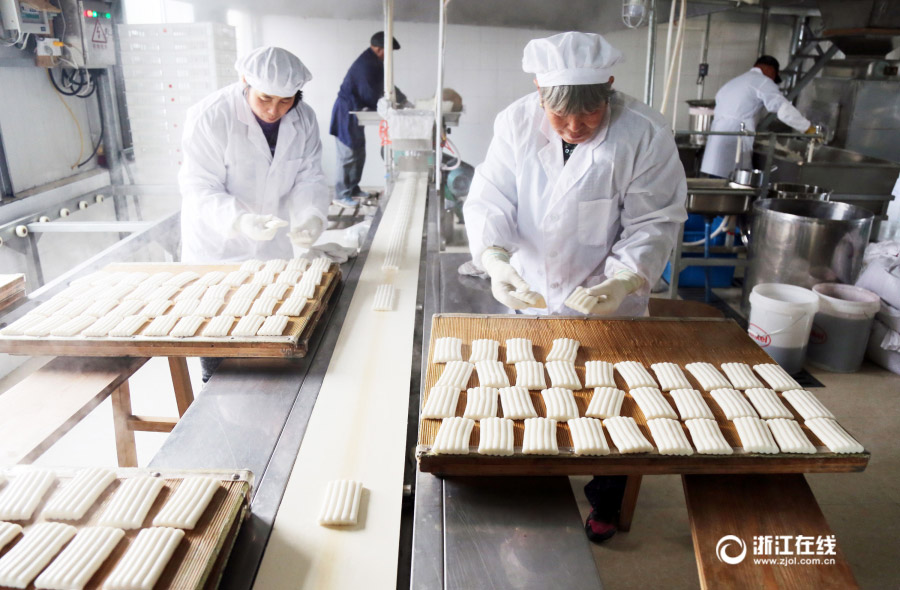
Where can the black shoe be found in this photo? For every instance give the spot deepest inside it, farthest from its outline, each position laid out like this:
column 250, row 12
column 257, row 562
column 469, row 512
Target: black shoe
column 598, row 530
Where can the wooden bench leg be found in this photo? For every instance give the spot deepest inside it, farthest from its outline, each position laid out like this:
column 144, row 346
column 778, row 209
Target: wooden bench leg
column 181, row 382
column 629, row 502
column 126, row 451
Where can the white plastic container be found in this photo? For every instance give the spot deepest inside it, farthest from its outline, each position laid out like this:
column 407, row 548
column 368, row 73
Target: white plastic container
column 841, row 327
column 781, row 317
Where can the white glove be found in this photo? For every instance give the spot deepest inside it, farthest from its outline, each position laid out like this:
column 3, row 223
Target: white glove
column 612, row 292
column 508, row 287
column 305, row 234
column 335, row 252
column 261, row 228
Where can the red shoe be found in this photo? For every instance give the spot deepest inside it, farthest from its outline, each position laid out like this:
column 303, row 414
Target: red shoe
column 598, row 531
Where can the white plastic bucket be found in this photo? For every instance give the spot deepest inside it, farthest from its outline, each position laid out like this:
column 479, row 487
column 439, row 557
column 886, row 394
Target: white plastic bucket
column 781, row 317
column 841, row 327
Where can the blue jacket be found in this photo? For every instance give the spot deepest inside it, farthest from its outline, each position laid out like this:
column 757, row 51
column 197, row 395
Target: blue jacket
column 362, row 87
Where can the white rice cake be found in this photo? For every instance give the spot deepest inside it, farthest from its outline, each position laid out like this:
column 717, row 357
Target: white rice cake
column 73, row 327
column 161, row 326
column 320, row 264
column 581, row 300
column 481, row 402
column 158, row 278
column 191, row 292
column 562, row 374
column 834, row 436
column 142, row 293
column 484, row 350
column 300, row 264
column 519, row 350
column 733, row 404
column 491, row 374
column 599, row 374
column 95, row 278
column 47, row 325
column 145, row 559
column 130, row 503
column 213, row 277
column 128, row 307
column 235, row 278
column 605, row 403
column 741, row 376
column 217, row 292
column 276, row 290
column 807, row 405
column 273, row 326
column 530, row 375
column 249, row 291
column 263, row 277
column 185, row 307
column 218, row 326
column 238, row 307
column 187, row 326
column 453, row 436
column 81, row 559
column 209, row 307
column 635, row 375
column 708, row 439
column 292, row 306
column 446, row 350
column 78, row 495
column 540, row 437
column 75, row 307
column 186, row 505
column 18, row 327
column 132, row 278
column 670, row 376
column 21, row 496
column 50, row 307
column 252, row 265
column 31, row 554
column 8, row 532
column 128, row 326
column 275, row 265
column 456, row 374
column 709, row 377
column 691, row 405
column 669, row 436
column 441, row 403
column 155, row 308
column 313, row 275
column 587, row 437
column 516, row 403
column 495, row 437
column 164, row 292
column 248, row 326
column 305, row 289
column 755, row 436
column 626, row 435
column 118, row 292
column 767, row 403
column 564, row 349
column 384, row 298
column 289, row 277
column 560, row 404
column 777, row 378
column 182, row 278
column 340, row 504
column 101, row 307
column 652, row 403
column 74, row 291
column 790, row 437
column 263, row 306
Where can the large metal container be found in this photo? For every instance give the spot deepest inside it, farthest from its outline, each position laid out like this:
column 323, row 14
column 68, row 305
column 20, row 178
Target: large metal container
column 700, row 114
column 805, row 242
column 792, row 190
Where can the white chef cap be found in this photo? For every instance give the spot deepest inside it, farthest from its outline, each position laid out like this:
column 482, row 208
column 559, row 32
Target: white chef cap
column 570, row 59
column 273, row 71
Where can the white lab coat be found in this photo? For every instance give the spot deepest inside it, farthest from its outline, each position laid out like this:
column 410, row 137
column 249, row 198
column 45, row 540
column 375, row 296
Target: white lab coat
column 228, row 170
column 739, row 101
column 617, row 203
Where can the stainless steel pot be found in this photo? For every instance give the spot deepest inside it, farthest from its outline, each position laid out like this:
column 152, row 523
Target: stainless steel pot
column 790, row 190
column 752, row 178
column 700, row 118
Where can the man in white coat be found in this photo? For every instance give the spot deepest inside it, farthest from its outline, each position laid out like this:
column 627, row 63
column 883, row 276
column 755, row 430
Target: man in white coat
column 581, row 187
column 741, row 100
column 251, row 179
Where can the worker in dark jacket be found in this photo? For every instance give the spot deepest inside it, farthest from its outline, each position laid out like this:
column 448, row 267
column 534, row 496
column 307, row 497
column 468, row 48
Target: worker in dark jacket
column 362, row 87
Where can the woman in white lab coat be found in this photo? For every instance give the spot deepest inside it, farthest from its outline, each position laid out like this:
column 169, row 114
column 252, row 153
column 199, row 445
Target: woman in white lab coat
column 581, row 186
column 251, row 179
column 740, row 100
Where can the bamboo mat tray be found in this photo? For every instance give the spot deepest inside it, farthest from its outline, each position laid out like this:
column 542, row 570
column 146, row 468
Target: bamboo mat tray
column 200, row 558
column 12, row 289
column 646, row 340
column 293, row 344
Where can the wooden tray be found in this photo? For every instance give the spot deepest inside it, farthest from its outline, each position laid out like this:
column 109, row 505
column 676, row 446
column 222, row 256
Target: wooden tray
column 646, row 340
column 201, row 556
column 293, row 344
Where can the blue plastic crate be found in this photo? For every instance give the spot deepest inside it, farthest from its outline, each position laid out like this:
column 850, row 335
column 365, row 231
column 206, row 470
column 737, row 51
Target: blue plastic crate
column 694, row 276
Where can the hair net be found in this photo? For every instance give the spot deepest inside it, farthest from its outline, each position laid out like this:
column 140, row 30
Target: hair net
column 274, row 71
column 570, row 59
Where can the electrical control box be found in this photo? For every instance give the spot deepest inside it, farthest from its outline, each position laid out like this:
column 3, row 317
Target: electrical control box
column 21, row 17
column 89, row 33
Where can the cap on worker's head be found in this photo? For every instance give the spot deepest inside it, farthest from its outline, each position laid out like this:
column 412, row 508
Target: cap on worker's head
column 273, row 71
column 768, row 60
column 378, row 41
column 570, row 59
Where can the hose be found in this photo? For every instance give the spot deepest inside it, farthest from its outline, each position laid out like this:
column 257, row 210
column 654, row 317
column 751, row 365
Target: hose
column 718, row 230
column 455, row 152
